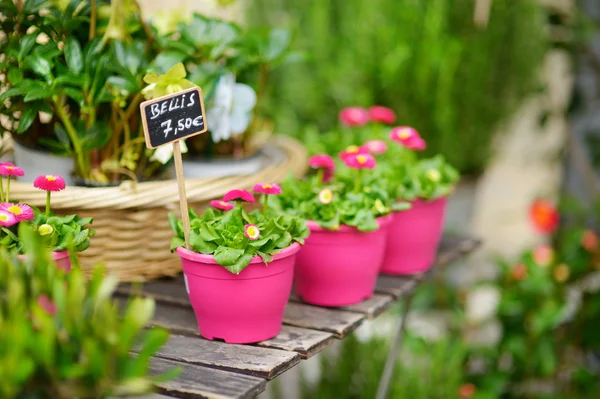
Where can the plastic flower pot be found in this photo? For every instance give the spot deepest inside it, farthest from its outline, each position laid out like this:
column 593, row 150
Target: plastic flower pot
column 243, row 308
column 339, row 268
column 61, row 258
column 414, row 236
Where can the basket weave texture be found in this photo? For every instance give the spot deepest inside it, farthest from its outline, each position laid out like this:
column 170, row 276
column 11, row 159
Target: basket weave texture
column 132, row 232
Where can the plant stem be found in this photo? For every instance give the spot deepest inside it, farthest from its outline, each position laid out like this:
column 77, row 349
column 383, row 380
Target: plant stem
column 93, row 20
column 320, row 175
column 7, row 188
column 357, row 184
column 1, row 189
column 70, row 129
column 265, row 204
column 48, row 203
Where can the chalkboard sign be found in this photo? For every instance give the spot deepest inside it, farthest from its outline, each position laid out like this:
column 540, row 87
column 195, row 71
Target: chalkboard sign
column 174, row 117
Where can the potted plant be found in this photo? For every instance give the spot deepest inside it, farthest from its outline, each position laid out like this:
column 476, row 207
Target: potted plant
column 415, row 233
column 63, row 336
column 58, row 233
column 239, row 267
column 348, row 215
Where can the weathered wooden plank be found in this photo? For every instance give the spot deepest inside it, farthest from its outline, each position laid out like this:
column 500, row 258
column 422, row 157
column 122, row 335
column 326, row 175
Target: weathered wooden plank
column 245, row 359
column 152, row 396
column 201, row 382
column 371, row 307
column 396, row 286
column 338, row 322
column 181, row 320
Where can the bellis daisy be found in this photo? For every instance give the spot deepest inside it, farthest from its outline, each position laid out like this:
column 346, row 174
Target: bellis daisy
column 49, row 183
column 352, row 150
column 222, row 205
column 375, row 147
column 360, row 161
column 354, row 116
column 239, row 195
column 20, row 211
column 408, row 137
column 325, row 196
column 267, row 188
column 252, row 232
column 7, row 219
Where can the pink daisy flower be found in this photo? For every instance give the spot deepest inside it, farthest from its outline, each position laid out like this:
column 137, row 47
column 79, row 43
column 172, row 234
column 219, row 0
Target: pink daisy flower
column 378, row 113
column 8, row 169
column 222, row 205
column 251, row 231
column 235, row 195
column 408, row 137
column 360, row 161
column 7, row 219
column 20, row 211
column 351, row 150
column 47, row 304
column 267, row 188
column 49, row 183
column 354, row 116
column 326, row 196
column 321, row 161
column 375, row 147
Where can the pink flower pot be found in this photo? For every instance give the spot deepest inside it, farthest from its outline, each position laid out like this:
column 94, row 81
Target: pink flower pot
column 414, row 236
column 339, row 268
column 242, row 308
column 61, row 258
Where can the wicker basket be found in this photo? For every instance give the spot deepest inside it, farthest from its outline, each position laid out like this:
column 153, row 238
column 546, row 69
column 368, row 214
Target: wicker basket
column 132, row 233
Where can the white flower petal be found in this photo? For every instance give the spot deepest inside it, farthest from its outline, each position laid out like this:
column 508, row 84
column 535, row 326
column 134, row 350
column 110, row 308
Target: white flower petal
column 163, row 154
column 240, row 122
column 244, row 98
column 482, row 303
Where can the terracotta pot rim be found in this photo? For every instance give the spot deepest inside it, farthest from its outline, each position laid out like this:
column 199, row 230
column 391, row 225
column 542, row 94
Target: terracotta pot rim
column 210, row 259
column 382, row 221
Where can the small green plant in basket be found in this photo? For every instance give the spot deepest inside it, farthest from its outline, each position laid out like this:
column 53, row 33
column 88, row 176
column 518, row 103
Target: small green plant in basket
column 59, row 233
column 63, row 337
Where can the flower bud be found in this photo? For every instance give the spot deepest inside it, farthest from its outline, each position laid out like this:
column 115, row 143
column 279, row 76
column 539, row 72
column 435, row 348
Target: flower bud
column 45, row 229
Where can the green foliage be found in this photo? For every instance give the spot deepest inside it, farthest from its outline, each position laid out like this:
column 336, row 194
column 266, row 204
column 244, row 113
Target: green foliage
column 221, row 234
column 425, row 59
column 59, row 233
column 435, row 370
column 353, row 203
column 62, row 336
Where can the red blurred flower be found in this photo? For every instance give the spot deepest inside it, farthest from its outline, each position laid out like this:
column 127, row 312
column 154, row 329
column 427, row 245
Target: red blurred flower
column 543, row 255
column 352, row 150
column 544, row 216
column 47, row 304
column 360, row 161
column 321, row 161
column 589, row 240
column 20, row 211
column 235, row 195
column 408, row 137
column 375, row 147
column 381, row 114
column 49, row 183
column 268, row 189
column 252, row 232
column 466, row 391
column 519, row 272
column 8, row 169
column 222, row 205
column 354, row 116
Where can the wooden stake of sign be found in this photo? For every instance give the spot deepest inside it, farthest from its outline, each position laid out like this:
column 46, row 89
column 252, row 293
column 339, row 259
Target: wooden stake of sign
column 168, row 120
column 185, row 215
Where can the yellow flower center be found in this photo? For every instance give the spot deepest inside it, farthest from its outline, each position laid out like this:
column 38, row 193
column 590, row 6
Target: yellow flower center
column 10, row 167
column 50, row 178
column 253, row 231
column 404, row 133
column 353, row 149
column 561, row 273
column 361, row 159
column 15, row 210
column 3, row 217
column 267, row 186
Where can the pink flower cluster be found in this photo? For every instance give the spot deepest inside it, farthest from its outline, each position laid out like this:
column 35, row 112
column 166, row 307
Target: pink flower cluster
column 408, row 137
column 358, row 116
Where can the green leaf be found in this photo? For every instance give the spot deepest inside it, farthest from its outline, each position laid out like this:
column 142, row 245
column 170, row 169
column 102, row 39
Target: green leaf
column 27, row 117
column 279, row 40
column 39, row 93
column 25, row 45
column 39, row 65
column 199, row 245
column 227, row 256
column 177, row 242
column 121, row 83
column 74, row 94
column 73, row 55
column 15, row 76
column 240, row 264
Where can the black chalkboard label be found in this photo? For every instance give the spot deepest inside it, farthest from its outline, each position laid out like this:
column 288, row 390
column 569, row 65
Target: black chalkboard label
column 174, row 117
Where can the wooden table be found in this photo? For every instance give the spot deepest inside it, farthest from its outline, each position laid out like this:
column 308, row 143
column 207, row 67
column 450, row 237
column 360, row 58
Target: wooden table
column 213, row 369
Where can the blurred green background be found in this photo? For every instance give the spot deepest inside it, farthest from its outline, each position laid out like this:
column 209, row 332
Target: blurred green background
column 426, row 59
